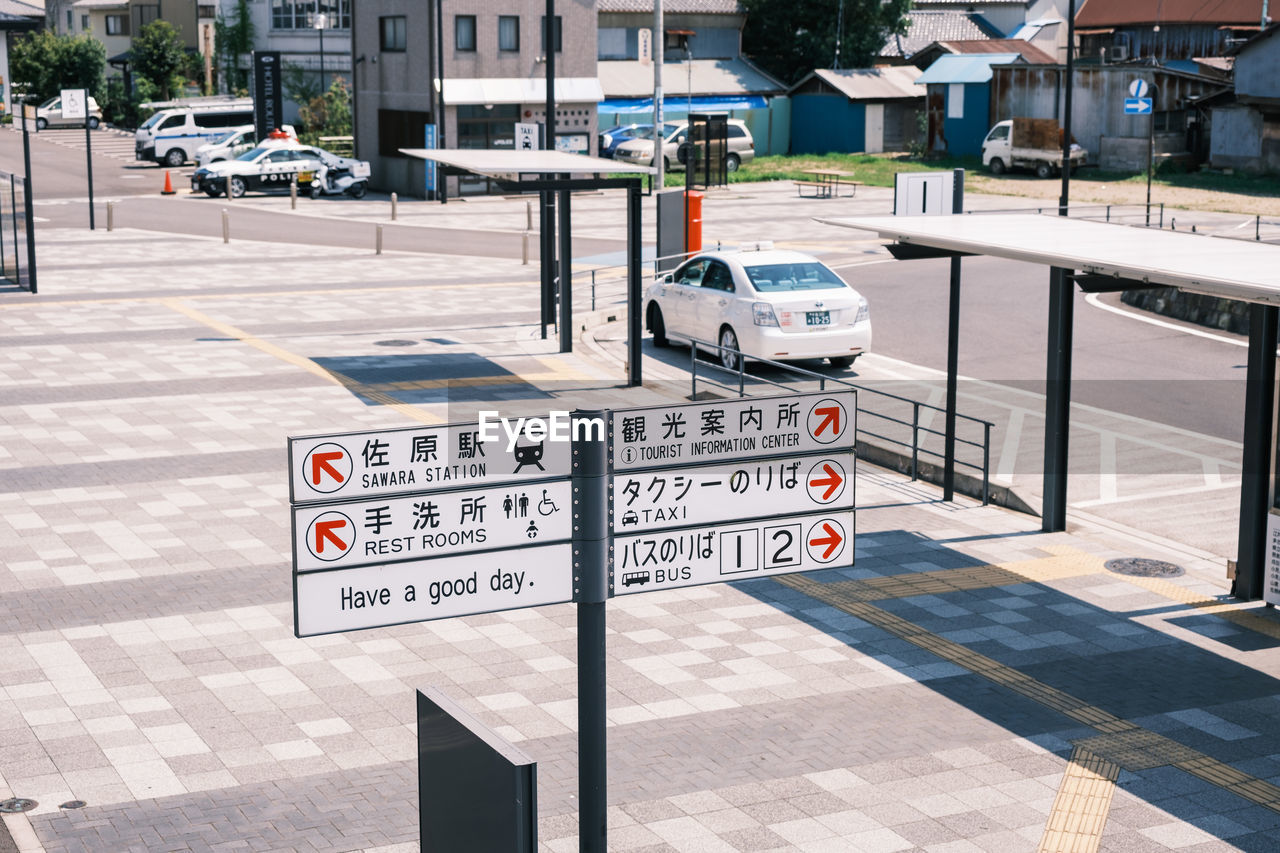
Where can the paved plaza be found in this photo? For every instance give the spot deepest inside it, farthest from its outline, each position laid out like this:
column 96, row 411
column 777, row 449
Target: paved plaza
column 969, row 684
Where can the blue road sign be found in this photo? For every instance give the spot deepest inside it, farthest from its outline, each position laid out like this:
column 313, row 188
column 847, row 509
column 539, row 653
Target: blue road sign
column 1137, row 106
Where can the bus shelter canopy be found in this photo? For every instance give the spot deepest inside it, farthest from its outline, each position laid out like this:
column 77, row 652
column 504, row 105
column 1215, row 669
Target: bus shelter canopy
column 1235, row 269
column 497, row 163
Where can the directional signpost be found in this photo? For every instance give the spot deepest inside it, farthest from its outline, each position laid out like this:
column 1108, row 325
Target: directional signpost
column 424, row 523
column 1141, row 101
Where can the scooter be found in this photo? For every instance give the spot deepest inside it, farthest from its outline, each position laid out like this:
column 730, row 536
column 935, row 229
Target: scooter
column 339, row 179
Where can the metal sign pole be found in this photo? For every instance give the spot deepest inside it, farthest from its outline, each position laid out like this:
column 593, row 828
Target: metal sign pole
column 26, row 199
column 88, row 159
column 566, row 274
column 1151, row 149
column 592, row 576
column 633, row 285
column 953, row 351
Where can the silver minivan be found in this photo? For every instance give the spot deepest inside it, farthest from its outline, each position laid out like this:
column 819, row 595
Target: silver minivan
column 742, row 148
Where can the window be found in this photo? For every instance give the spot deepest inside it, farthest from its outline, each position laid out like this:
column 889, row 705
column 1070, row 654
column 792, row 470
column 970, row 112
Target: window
column 508, row 32
column 718, row 277
column 464, row 32
column 955, row 100
column 84, row 23
column 393, row 33
column 736, row 132
column 206, row 11
column 171, row 122
column 1000, row 131
column 558, row 34
column 401, row 129
column 69, row 20
column 301, row 14
column 117, row 25
column 147, row 14
column 691, row 274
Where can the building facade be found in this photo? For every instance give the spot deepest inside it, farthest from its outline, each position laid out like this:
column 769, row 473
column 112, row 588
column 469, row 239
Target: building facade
column 494, row 63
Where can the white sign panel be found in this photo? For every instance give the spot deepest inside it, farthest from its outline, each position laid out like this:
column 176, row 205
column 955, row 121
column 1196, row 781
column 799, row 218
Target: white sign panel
column 1139, row 88
column 644, row 45
column 29, row 119
column 731, row 552
column 527, row 136
column 417, row 459
column 73, row 104
column 419, row 526
column 923, row 193
column 1271, row 563
column 655, row 500
column 377, row 596
column 751, row 427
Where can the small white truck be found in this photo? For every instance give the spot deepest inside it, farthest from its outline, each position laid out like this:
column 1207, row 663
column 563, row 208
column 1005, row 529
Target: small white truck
column 1028, row 143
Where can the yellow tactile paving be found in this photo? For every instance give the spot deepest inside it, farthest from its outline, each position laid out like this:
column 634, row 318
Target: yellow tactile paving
column 302, row 362
column 1080, row 810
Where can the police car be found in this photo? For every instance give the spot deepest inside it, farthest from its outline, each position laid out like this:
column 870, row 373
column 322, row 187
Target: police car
column 266, row 167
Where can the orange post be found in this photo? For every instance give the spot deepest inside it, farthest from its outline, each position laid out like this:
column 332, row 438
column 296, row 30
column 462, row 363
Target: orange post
column 168, row 184
column 693, row 221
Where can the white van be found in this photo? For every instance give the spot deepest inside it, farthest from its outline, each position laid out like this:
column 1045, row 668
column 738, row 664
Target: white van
column 172, row 135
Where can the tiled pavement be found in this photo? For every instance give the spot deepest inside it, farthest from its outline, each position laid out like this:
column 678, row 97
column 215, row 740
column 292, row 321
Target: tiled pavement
column 969, row 684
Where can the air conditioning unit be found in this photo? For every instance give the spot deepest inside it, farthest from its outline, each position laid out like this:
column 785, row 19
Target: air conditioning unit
column 1118, row 53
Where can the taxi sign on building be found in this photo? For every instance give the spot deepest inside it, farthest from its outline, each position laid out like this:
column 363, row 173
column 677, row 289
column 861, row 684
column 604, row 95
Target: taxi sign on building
column 751, row 427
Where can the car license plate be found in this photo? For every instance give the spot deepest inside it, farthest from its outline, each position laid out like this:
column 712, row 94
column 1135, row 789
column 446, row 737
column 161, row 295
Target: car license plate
column 817, row 318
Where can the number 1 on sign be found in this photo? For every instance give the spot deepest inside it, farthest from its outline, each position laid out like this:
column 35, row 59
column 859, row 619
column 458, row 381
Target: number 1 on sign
column 739, row 551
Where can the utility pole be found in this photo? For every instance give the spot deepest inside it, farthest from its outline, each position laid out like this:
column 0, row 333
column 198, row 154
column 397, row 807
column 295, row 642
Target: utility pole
column 659, row 48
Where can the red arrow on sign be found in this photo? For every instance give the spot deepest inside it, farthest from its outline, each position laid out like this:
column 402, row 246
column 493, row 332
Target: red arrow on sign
column 832, row 540
column 830, row 417
column 832, row 481
column 320, row 462
column 324, row 530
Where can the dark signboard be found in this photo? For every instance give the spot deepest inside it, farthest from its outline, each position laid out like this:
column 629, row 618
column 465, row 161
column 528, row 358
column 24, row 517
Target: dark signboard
column 268, row 98
column 476, row 792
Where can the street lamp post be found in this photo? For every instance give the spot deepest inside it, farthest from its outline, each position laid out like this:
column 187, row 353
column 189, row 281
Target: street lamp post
column 321, row 21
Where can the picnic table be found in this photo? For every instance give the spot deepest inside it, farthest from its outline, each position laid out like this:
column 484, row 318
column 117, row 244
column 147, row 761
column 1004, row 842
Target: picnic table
column 826, row 183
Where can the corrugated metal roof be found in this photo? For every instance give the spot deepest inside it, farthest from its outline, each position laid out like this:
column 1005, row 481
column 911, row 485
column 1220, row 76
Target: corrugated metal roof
column 958, row 68
column 678, row 7
column 1236, row 269
column 871, row 84
column 924, row 28
column 629, row 79
column 1025, row 49
column 1108, row 13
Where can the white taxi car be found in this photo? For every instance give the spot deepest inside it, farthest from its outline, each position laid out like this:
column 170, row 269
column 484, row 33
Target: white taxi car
column 765, row 303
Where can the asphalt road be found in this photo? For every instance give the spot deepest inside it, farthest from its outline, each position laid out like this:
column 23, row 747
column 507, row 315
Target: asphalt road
column 1118, row 363
column 59, row 178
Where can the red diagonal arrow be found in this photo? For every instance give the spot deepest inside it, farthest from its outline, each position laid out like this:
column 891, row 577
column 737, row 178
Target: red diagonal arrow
column 830, row 417
column 832, row 540
column 324, row 530
column 832, row 481
column 320, row 462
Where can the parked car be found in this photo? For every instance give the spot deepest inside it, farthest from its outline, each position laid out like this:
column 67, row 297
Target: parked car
column 266, row 167
column 610, row 139
column 640, row 150
column 229, row 146
column 764, row 302
column 172, row 135
column 49, row 114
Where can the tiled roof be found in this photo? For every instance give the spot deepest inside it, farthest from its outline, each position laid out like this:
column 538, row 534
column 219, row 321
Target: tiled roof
column 924, row 28
column 678, row 7
column 1109, row 13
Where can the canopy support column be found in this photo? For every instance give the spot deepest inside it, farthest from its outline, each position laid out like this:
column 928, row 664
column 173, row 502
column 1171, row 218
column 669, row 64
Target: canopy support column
column 1057, row 409
column 1255, row 485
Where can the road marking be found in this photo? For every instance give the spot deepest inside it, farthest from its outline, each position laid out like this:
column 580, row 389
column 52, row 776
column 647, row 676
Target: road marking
column 1080, row 810
column 1009, row 448
column 1142, row 496
column 1093, row 300
column 303, row 362
column 1108, row 477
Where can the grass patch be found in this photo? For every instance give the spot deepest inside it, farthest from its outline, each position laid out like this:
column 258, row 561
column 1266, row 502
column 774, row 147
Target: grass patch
column 876, row 170
column 1173, row 176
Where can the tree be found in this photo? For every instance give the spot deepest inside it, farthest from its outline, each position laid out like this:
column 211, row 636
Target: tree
column 234, row 38
column 328, row 114
column 158, row 54
column 790, row 38
column 47, row 63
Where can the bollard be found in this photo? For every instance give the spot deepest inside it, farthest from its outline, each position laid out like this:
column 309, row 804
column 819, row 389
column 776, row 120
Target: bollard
column 524, row 249
column 394, row 199
column 378, row 241
column 226, row 226
column 111, row 215
column 293, row 194
column 528, row 216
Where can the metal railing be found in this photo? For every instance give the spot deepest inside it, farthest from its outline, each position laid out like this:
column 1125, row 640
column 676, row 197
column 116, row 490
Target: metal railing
column 919, row 431
column 17, row 261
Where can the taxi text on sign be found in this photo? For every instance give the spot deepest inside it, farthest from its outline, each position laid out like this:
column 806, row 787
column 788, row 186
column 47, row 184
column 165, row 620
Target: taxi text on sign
column 416, row 459
column 675, row 436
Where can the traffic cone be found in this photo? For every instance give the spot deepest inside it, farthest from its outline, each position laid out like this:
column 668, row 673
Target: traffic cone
column 168, row 185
